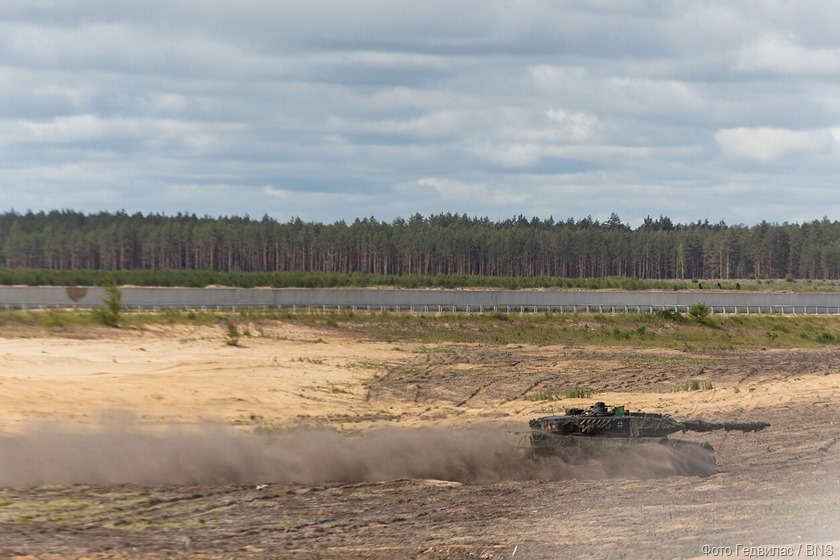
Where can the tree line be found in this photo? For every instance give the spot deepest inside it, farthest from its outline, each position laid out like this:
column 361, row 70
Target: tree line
column 436, row 245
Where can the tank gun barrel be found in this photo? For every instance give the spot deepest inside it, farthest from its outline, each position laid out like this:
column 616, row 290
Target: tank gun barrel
column 702, row 426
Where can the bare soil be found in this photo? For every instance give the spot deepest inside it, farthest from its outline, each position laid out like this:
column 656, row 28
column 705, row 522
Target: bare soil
column 315, row 443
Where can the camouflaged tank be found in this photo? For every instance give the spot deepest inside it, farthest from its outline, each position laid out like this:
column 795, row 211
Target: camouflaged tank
column 601, row 429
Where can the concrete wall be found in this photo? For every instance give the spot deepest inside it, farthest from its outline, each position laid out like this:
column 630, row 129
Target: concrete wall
column 425, row 300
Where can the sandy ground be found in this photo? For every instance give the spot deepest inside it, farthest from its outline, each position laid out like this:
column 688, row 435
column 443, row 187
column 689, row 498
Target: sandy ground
column 456, row 495
column 276, row 376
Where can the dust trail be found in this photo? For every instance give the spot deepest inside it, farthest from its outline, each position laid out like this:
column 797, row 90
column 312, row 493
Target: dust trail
column 119, row 450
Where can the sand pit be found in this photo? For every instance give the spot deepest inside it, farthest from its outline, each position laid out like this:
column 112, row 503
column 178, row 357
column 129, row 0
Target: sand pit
column 187, row 375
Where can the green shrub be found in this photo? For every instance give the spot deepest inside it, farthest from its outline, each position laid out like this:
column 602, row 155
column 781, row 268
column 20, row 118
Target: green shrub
column 825, row 338
column 699, row 311
column 109, row 312
column 232, row 336
column 669, row 315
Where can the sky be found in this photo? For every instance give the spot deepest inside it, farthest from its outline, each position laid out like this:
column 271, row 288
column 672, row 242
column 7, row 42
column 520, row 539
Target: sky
column 726, row 110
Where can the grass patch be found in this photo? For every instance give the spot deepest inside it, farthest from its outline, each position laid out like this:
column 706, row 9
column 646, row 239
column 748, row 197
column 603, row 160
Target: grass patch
column 826, row 338
column 669, row 315
column 579, row 392
column 49, row 319
column 541, row 396
column 433, row 332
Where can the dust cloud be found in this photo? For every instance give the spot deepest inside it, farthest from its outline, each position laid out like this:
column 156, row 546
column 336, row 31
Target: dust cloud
column 119, row 450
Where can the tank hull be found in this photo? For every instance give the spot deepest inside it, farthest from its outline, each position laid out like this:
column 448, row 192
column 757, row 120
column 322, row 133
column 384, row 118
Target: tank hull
column 659, row 456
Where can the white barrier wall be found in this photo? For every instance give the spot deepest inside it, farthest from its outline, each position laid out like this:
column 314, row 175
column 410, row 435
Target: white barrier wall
column 424, row 300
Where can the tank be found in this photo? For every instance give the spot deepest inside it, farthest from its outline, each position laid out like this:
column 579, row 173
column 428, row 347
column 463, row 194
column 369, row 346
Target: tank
column 601, row 430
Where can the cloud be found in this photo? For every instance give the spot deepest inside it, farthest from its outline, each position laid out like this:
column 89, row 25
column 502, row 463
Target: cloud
column 463, row 193
column 455, row 191
column 769, row 144
column 576, row 126
column 782, row 55
column 330, row 110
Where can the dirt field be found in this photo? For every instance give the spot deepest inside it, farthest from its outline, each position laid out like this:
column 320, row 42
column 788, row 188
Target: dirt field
column 310, row 443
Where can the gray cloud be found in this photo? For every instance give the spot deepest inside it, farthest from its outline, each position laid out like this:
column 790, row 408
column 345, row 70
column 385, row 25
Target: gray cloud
column 326, row 110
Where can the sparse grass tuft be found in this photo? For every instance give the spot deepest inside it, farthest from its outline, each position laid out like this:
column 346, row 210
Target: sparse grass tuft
column 541, row 396
column 314, row 361
column 694, row 385
column 336, row 388
column 364, row 365
column 579, row 392
column 375, row 380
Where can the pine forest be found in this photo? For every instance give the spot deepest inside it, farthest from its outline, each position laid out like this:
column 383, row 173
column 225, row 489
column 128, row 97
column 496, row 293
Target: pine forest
column 442, row 244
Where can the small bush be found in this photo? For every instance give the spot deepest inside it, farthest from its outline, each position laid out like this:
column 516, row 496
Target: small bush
column 232, row 336
column 669, row 315
column 109, row 312
column 699, row 311
column 825, row 338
